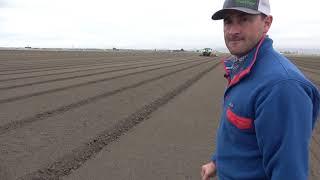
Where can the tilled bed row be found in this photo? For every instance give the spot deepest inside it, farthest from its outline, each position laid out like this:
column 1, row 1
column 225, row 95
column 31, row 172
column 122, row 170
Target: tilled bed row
column 47, row 132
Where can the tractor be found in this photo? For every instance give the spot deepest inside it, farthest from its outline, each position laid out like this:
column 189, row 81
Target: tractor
column 206, row 52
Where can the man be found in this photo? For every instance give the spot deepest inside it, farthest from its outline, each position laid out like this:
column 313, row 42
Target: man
column 270, row 107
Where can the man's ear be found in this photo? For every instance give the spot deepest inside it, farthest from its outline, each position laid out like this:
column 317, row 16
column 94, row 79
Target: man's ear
column 267, row 23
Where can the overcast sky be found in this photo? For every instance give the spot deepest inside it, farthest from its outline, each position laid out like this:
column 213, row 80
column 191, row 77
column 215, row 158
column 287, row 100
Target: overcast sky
column 144, row 24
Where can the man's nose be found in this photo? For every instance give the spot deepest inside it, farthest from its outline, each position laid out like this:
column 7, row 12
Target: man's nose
column 234, row 28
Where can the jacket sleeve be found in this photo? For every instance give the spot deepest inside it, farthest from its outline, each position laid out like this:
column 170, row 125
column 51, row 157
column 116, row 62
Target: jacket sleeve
column 283, row 123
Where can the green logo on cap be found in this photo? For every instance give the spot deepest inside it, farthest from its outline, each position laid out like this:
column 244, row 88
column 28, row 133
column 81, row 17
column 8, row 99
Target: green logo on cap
column 246, row 3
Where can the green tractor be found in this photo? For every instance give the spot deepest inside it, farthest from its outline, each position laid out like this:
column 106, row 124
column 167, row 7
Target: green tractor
column 206, row 52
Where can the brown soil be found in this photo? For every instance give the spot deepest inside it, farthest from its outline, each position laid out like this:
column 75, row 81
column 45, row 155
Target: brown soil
column 113, row 115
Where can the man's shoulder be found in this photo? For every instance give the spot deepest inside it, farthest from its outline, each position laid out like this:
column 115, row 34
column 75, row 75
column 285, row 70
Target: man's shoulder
column 276, row 67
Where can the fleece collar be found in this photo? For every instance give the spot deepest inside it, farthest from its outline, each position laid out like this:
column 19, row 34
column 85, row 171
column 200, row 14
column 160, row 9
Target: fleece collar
column 249, row 61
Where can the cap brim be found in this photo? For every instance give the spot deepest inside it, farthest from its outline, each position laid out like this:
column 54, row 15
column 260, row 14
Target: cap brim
column 222, row 13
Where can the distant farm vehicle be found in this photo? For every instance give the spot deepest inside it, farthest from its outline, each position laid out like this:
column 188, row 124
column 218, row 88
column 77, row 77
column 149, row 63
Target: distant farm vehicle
column 178, row 50
column 207, row 52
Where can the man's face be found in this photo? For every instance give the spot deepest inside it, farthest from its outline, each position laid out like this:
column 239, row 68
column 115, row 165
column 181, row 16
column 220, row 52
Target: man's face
column 243, row 31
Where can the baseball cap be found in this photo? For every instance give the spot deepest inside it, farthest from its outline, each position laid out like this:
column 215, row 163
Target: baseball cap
column 247, row 6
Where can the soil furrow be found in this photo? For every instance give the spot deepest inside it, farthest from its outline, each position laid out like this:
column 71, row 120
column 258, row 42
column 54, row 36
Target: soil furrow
column 310, row 70
column 316, row 141
column 53, row 66
column 62, row 67
column 77, row 76
column 16, row 98
column 20, row 123
column 78, row 61
column 307, row 65
column 316, row 158
column 314, row 167
column 74, row 160
column 100, row 66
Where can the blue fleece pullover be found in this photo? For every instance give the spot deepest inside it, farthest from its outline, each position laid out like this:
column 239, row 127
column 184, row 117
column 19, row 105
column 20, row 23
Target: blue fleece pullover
column 269, row 111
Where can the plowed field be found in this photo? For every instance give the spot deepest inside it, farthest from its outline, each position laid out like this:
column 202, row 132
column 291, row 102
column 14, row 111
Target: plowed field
column 114, row 115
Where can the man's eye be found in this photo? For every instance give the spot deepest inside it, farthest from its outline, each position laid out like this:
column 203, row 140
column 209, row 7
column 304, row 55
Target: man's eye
column 244, row 19
column 227, row 21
